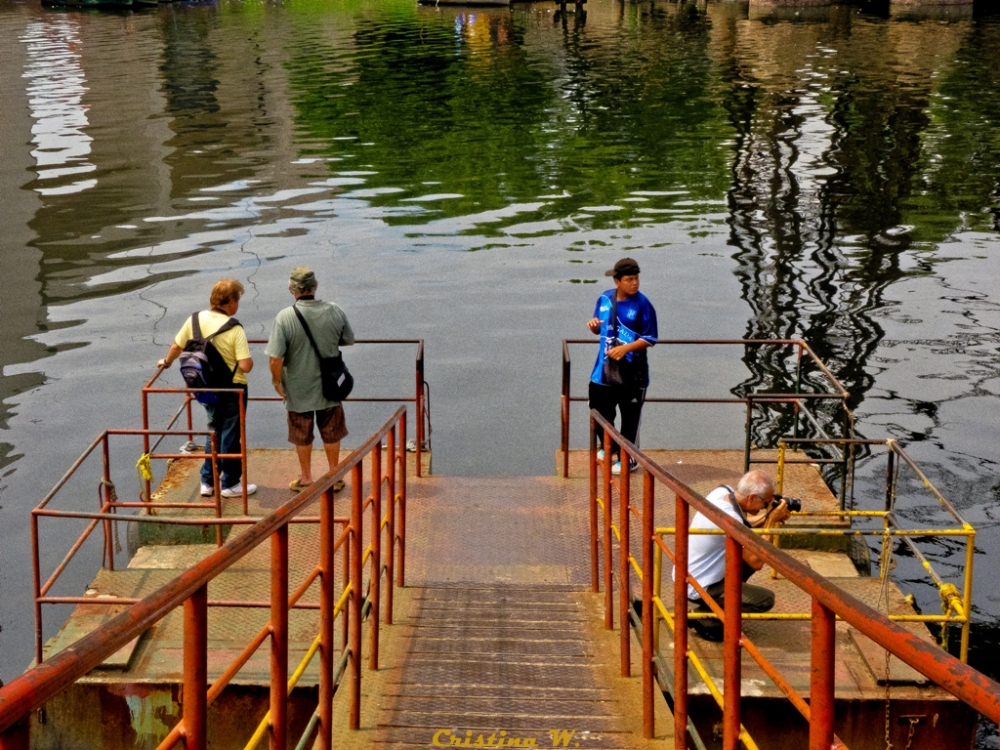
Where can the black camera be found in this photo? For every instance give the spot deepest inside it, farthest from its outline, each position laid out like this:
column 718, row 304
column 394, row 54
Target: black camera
column 794, row 504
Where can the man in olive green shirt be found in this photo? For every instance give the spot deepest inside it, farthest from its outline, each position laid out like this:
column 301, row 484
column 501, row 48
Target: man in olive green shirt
column 295, row 372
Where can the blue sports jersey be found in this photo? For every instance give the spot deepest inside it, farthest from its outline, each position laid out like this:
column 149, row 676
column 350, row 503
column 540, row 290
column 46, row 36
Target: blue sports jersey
column 636, row 320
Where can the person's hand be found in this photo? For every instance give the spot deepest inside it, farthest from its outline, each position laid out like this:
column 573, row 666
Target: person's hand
column 594, row 324
column 779, row 514
column 279, row 388
column 618, row 352
column 162, row 363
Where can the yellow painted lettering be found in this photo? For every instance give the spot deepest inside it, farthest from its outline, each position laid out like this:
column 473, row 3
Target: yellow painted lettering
column 561, row 737
column 438, row 735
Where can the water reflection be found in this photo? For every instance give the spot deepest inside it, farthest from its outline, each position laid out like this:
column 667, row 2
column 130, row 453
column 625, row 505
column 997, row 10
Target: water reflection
column 831, row 175
column 56, row 87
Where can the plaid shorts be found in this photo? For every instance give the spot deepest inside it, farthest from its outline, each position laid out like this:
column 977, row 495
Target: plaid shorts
column 332, row 427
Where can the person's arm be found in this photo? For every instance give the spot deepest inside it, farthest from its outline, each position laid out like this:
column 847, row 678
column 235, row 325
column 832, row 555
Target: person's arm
column 773, row 518
column 245, row 365
column 617, row 352
column 173, row 353
column 276, row 364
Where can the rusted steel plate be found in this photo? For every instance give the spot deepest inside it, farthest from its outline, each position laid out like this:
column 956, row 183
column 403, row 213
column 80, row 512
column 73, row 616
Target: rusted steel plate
column 389, row 737
column 505, row 704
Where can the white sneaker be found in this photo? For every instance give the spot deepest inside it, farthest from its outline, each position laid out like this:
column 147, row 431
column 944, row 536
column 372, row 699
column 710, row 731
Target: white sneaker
column 616, row 467
column 207, row 490
column 600, row 454
column 237, row 490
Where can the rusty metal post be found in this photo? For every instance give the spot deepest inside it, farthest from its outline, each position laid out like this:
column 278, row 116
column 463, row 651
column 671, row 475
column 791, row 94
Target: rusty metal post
column 420, row 408
column 565, row 410
column 36, row 576
column 375, row 585
column 279, row 638
column 390, row 527
column 609, row 607
column 624, row 579
column 243, row 451
column 401, row 571
column 648, row 674
column 345, row 613
column 216, row 488
column 747, row 443
column 145, row 437
column 357, row 546
column 195, row 705
column 681, row 539
column 731, row 659
column 106, row 497
column 890, row 470
column 327, row 602
column 17, row 737
column 821, row 680
column 190, row 420
column 595, row 575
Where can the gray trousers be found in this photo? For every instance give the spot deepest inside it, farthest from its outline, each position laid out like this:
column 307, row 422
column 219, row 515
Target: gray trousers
column 754, row 599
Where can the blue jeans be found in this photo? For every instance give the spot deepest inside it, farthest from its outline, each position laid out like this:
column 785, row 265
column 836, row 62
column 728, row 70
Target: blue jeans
column 224, row 421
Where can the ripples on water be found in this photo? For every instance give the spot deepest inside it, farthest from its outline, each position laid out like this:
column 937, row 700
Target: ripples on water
column 466, row 176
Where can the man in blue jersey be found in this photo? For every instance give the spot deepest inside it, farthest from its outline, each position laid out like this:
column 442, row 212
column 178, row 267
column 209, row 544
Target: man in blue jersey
column 624, row 339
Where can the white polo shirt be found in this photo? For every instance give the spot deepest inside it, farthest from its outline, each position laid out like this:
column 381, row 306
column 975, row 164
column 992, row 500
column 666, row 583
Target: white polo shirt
column 707, row 552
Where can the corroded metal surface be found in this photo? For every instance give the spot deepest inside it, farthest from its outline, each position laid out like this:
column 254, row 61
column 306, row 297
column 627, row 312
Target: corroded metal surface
column 463, row 676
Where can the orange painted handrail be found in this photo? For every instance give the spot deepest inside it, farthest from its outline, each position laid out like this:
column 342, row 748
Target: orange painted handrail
column 189, row 589
column 828, row 602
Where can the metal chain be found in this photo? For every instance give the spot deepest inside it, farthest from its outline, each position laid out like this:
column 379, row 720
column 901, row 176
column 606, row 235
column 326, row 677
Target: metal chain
column 913, row 729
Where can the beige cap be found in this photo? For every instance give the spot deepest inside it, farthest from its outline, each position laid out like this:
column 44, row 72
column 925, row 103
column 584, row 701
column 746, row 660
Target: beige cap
column 302, row 278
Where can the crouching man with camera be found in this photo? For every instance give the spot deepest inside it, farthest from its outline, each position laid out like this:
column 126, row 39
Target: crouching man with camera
column 753, row 496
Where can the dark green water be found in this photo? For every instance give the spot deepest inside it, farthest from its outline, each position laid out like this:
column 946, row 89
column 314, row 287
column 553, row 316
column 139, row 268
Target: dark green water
column 466, row 177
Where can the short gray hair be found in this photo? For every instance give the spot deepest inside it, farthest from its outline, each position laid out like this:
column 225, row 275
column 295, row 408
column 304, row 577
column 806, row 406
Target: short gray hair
column 755, row 482
column 302, row 280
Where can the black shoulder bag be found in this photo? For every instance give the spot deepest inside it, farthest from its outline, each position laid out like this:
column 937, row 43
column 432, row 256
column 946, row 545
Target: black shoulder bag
column 337, row 381
column 619, row 372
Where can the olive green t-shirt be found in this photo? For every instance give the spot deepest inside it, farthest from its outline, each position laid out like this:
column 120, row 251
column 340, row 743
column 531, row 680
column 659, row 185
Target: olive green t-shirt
column 300, row 374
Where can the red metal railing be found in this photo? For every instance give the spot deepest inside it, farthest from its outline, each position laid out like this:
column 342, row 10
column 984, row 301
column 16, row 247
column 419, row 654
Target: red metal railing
column 418, row 399
column 190, row 590
column 828, row 603
column 799, row 400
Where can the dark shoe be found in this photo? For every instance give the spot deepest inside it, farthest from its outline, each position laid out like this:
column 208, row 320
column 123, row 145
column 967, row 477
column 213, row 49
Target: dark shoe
column 714, row 633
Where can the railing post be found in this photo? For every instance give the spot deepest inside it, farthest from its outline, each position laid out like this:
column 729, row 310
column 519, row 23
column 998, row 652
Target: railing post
column 217, row 488
column 18, row 736
column 565, row 409
column 375, row 585
column 747, row 443
column 890, row 470
column 401, row 571
column 390, row 527
column 681, row 539
column 357, row 479
column 609, row 607
column 595, row 580
column 821, row 685
column 624, row 577
column 279, row 639
column 420, row 408
column 36, row 575
column 732, row 663
column 190, row 419
column 648, row 529
column 105, row 499
column 243, row 452
column 327, row 600
column 145, row 437
column 195, row 707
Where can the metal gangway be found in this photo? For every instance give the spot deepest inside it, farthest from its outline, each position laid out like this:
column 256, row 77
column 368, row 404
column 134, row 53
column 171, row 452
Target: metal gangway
column 417, row 609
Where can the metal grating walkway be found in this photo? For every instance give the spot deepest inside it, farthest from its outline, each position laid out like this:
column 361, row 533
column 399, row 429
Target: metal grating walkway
column 498, row 640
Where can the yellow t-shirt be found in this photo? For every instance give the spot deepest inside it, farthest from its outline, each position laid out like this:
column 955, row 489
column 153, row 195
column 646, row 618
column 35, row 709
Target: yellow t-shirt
column 232, row 344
